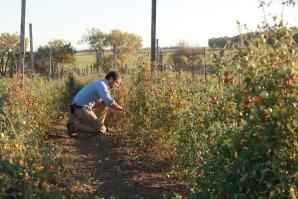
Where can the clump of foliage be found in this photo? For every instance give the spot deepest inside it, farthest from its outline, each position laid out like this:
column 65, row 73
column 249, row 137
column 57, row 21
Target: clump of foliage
column 245, row 145
column 27, row 114
column 61, row 52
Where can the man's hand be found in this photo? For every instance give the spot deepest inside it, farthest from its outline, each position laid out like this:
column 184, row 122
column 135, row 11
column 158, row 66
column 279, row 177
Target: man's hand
column 115, row 108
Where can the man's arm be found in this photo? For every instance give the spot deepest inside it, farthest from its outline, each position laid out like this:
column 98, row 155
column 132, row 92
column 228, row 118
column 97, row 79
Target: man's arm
column 116, row 107
column 104, row 94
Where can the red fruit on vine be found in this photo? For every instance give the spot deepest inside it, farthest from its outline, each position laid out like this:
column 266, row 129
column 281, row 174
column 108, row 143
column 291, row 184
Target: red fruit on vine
column 258, row 100
column 175, row 178
column 246, row 101
column 213, row 99
column 50, row 167
column 226, row 80
column 180, row 104
column 263, row 117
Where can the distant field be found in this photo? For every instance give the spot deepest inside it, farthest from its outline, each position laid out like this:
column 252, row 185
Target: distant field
column 88, row 58
column 83, row 59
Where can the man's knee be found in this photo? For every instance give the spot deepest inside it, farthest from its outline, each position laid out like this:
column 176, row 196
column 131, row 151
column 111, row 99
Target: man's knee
column 100, row 109
column 97, row 125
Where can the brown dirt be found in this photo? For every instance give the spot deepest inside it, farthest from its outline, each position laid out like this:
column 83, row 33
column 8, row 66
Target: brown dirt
column 100, row 167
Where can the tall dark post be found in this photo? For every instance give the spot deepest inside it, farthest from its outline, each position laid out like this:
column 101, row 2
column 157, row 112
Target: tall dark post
column 205, row 66
column 157, row 51
column 22, row 38
column 50, row 65
column 160, row 61
column 58, row 72
column 153, row 35
column 31, row 53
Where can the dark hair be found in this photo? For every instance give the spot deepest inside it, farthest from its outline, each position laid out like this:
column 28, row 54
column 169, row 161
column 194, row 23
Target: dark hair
column 112, row 74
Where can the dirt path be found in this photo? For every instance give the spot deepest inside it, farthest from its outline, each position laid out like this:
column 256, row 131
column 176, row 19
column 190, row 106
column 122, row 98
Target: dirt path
column 101, row 168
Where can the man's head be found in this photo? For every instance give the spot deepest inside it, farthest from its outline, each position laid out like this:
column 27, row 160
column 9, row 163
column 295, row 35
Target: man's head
column 113, row 79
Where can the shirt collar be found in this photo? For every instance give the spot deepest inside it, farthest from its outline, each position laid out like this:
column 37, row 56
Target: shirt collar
column 106, row 82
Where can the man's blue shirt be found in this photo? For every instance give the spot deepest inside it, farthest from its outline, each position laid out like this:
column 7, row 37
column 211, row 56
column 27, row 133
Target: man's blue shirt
column 93, row 92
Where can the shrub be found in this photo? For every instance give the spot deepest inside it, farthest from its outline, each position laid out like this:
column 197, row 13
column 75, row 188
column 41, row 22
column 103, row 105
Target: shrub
column 245, row 145
column 28, row 113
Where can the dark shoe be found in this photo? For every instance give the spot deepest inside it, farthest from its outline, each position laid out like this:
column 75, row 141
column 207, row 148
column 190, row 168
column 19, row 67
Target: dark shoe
column 71, row 130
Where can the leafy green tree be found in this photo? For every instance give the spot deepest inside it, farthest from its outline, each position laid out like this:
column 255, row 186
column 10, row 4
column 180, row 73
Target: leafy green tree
column 9, row 47
column 186, row 55
column 123, row 45
column 96, row 40
column 116, row 39
column 62, row 53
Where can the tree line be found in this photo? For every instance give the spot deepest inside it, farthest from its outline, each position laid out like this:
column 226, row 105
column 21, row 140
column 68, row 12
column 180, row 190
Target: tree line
column 228, row 42
column 186, row 55
column 123, row 46
column 60, row 52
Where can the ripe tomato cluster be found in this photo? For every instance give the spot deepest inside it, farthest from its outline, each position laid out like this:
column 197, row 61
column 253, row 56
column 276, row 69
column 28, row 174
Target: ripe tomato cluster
column 213, row 99
column 228, row 79
column 247, row 100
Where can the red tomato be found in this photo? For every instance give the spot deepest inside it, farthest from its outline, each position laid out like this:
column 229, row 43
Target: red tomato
column 175, row 178
column 226, row 80
column 246, row 101
column 213, row 99
column 258, row 100
column 263, row 117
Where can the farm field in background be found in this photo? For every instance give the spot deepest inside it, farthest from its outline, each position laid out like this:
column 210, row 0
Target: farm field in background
column 87, row 58
column 83, row 59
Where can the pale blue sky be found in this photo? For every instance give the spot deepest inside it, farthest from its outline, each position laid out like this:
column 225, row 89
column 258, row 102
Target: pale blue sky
column 194, row 21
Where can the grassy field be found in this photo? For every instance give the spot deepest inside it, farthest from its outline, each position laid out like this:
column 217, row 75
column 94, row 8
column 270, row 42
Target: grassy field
column 82, row 60
column 88, row 58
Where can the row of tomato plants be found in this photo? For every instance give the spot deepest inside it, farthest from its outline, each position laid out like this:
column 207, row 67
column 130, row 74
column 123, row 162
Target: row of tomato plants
column 28, row 113
column 234, row 138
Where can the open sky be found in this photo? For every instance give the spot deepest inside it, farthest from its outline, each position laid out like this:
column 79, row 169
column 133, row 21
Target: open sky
column 194, row 21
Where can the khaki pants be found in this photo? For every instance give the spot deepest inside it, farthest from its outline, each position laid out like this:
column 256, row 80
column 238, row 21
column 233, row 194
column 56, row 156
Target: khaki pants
column 90, row 121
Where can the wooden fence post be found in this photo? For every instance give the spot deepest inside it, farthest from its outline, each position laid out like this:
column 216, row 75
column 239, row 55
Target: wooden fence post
column 153, row 36
column 205, row 66
column 50, row 65
column 114, row 56
column 22, row 38
column 58, row 72
column 62, row 72
column 31, row 53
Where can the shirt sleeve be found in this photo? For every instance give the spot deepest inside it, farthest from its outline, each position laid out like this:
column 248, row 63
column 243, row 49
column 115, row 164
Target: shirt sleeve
column 104, row 94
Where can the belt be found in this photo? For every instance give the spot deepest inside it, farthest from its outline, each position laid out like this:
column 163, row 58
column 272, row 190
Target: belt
column 77, row 106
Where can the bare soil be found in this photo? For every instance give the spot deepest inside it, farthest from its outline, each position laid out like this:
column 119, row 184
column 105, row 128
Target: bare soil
column 100, row 167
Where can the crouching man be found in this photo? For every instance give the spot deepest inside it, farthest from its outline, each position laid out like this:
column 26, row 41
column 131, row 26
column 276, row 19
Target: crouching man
column 91, row 104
